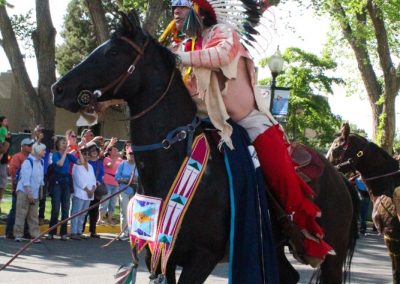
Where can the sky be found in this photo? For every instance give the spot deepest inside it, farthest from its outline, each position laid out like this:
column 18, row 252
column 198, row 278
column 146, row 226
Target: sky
column 309, row 33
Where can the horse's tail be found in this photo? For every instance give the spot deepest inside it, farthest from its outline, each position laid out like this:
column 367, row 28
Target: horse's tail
column 353, row 233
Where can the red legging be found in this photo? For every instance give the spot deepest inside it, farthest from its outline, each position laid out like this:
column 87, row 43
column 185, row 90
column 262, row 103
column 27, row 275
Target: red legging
column 292, row 192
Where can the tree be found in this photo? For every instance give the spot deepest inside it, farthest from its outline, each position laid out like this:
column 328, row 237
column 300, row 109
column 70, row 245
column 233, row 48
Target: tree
column 79, row 37
column 98, row 17
column 308, row 104
column 88, row 23
column 37, row 103
column 370, row 28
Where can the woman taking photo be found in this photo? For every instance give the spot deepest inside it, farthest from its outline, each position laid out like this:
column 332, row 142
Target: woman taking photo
column 61, row 189
column 84, row 181
column 111, row 163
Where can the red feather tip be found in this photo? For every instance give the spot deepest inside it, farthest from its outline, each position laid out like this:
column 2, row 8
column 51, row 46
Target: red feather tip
column 204, row 4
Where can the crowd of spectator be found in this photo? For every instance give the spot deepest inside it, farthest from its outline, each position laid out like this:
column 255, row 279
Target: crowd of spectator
column 75, row 173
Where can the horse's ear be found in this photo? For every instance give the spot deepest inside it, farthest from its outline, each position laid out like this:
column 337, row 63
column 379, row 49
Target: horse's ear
column 131, row 21
column 345, row 130
column 134, row 18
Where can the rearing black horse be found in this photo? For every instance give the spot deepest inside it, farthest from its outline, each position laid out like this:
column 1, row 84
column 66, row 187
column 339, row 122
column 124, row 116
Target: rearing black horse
column 134, row 67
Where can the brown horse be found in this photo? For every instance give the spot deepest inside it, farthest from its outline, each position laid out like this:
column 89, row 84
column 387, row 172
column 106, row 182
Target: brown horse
column 350, row 153
column 134, row 67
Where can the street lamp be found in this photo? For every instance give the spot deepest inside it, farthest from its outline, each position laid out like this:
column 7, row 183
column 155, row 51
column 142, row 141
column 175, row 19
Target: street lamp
column 275, row 64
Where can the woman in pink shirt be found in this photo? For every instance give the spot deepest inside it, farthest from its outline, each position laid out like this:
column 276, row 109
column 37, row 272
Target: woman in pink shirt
column 111, row 163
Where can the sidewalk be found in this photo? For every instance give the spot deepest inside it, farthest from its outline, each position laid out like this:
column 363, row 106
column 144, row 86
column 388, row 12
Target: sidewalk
column 100, row 229
column 77, row 262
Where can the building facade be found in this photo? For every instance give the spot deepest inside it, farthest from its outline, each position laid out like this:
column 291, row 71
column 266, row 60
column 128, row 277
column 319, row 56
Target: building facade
column 111, row 123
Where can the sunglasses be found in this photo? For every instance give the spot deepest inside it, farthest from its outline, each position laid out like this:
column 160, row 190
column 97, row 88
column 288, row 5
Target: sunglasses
column 73, row 136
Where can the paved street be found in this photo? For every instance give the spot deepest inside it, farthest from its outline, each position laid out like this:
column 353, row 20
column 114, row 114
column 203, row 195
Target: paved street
column 86, row 262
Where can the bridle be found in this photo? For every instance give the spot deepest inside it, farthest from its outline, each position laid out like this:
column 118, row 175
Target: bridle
column 87, row 97
column 354, row 161
column 186, row 132
column 351, row 161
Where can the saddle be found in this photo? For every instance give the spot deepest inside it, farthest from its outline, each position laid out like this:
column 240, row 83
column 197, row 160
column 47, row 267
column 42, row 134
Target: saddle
column 308, row 164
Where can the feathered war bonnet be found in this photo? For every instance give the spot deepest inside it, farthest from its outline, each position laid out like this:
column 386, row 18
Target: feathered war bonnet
column 243, row 15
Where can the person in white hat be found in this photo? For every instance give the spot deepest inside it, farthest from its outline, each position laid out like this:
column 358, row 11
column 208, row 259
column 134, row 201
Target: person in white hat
column 28, row 191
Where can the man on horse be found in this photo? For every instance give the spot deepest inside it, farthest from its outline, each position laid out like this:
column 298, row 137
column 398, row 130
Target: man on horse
column 220, row 74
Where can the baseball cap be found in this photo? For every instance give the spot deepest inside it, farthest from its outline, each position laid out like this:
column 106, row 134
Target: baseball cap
column 27, row 141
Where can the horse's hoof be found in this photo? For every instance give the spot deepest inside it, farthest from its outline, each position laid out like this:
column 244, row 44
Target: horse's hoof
column 160, row 279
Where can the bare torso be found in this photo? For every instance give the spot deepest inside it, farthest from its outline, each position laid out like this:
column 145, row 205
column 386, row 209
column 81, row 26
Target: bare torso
column 238, row 97
column 237, row 93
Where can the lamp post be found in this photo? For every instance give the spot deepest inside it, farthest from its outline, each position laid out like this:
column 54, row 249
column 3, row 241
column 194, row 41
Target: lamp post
column 275, row 64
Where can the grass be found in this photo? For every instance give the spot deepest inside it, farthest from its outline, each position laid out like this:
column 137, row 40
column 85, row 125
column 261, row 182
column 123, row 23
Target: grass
column 6, row 206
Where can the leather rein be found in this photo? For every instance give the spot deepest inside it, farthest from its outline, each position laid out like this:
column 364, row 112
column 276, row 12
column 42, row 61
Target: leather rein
column 86, row 97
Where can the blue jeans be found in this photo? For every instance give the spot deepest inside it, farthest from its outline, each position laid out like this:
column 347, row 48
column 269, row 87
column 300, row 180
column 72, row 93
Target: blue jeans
column 60, row 198
column 123, row 207
column 109, row 205
column 78, row 205
column 364, row 207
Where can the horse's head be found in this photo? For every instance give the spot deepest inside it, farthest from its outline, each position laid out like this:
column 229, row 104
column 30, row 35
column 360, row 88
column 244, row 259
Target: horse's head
column 109, row 71
column 346, row 149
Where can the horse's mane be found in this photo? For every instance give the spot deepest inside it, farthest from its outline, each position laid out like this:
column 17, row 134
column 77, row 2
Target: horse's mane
column 380, row 151
column 169, row 58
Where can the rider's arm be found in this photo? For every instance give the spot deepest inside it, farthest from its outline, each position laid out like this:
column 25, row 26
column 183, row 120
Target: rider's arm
column 221, row 48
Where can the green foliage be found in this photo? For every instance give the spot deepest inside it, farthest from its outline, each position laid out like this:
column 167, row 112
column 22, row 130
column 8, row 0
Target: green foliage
column 79, row 34
column 23, row 26
column 140, row 6
column 79, row 37
column 308, row 104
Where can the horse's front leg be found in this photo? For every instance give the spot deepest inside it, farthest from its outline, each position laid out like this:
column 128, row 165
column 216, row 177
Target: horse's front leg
column 199, row 267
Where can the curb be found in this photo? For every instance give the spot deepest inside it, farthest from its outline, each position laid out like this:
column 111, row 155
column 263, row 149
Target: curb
column 100, row 229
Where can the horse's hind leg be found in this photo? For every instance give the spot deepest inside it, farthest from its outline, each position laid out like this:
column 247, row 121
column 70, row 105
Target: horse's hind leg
column 332, row 270
column 287, row 273
column 198, row 268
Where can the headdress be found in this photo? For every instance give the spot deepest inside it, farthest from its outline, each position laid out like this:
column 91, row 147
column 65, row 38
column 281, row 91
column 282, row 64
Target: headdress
column 243, row 15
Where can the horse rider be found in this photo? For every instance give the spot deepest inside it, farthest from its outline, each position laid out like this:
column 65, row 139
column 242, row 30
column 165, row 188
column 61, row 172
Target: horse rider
column 220, row 75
